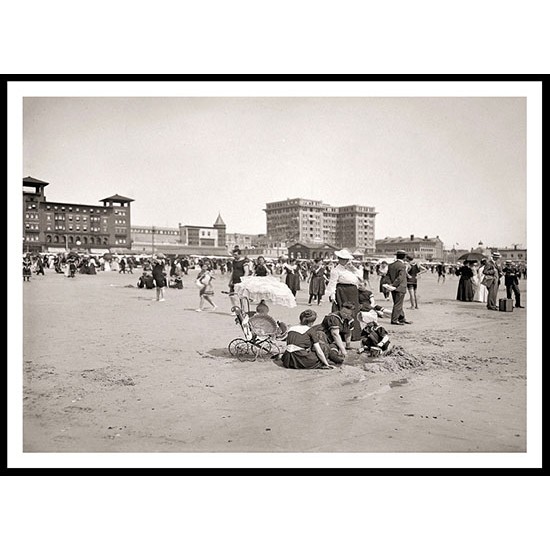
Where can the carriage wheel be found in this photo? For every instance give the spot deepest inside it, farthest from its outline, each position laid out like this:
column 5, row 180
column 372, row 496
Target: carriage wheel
column 240, row 349
column 263, row 349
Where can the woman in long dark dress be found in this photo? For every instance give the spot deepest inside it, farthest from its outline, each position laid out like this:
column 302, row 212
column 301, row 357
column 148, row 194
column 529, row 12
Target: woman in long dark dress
column 317, row 281
column 466, row 290
column 292, row 279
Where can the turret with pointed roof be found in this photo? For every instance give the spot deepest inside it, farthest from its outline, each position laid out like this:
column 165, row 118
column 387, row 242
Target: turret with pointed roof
column 219, row 224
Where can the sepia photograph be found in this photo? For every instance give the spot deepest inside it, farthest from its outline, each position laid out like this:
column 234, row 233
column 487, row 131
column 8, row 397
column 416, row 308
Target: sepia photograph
column 275, row 274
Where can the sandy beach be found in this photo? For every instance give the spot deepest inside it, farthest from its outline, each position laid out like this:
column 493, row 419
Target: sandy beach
column 107, row 369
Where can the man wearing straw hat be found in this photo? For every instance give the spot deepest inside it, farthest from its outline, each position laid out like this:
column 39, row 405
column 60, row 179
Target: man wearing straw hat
column 343, row 285
column 492, row 273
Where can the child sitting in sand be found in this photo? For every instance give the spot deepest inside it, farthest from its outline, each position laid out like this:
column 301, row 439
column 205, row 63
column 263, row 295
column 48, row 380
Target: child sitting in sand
column 375, row 339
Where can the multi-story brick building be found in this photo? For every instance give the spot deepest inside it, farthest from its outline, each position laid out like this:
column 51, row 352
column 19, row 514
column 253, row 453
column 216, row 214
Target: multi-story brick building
column 427, row 248
column 60, row 226
column 146, row 239
column 311, row 221
column 515, row 253
column 181, row 240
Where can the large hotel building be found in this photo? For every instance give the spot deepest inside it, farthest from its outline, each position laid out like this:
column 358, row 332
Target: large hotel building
column 309, row 221
column 59, row 226
column 95, row 229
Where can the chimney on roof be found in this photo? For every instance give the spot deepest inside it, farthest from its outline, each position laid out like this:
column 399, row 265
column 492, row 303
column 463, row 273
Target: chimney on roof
column 425, row 237
column 412, row 237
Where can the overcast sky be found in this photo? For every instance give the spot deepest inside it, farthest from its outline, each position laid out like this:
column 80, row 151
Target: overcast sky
column 453, row 167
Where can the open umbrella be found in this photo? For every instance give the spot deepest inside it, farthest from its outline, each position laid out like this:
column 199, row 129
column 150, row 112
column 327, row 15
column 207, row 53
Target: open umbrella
column 107, row 256
column 160, row 256
column 471, row 257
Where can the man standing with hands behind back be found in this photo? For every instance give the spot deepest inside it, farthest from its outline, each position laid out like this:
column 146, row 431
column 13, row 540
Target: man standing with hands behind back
column 397, row 275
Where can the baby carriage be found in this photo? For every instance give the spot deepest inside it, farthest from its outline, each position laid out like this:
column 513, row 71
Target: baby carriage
column 261, row 333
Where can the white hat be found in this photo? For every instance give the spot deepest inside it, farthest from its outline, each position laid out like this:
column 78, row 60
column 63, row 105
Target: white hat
column 344, row 254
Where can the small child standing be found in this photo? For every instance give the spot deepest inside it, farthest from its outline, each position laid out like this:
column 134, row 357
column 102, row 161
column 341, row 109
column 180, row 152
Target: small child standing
column 159, row 276
column 204, row 282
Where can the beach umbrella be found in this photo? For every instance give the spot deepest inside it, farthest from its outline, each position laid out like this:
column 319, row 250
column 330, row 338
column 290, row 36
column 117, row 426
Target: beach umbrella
column 107, row 256
column 471, row 257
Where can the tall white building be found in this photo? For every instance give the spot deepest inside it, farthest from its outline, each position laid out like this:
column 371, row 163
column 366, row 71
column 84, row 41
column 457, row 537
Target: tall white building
column 311, row 221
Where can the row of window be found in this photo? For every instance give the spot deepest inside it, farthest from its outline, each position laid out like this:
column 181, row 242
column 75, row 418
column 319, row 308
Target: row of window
column 120, row 241
column 70, row 209
column 156, row 231
column 32, row 216
column 64, row 227
column 72, row 239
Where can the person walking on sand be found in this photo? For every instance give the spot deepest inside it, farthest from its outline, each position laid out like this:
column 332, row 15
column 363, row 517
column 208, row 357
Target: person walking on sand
column 206, row 290
column 160, row 280
column 317, row 281
column 413, row 272
column 397, row 275
column 440, row 272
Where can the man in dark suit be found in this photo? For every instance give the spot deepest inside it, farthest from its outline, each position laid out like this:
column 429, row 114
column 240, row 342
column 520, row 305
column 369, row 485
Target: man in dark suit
column 397, row 275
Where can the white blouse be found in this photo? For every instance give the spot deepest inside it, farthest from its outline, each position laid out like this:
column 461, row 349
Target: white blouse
column 344, row 274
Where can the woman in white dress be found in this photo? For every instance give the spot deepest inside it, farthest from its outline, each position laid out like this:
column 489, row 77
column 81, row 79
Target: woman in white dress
column 480, row 290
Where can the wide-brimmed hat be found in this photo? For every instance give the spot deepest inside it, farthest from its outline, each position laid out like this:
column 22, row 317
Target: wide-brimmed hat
column 402, row 253
column 344, row 254
column 496, row 254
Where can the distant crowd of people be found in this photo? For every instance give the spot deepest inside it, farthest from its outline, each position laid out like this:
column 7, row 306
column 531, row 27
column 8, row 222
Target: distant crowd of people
column 344, row 282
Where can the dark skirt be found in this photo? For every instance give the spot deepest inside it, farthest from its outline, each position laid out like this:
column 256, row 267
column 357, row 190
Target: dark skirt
column 384, row 280
column 348, row 293
column 305, row 359
column 292, row 281
column 466, row 291
column 317, row 286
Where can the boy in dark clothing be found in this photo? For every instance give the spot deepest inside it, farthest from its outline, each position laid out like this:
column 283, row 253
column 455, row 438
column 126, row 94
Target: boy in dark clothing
column 375, row 339
column 511, row 281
